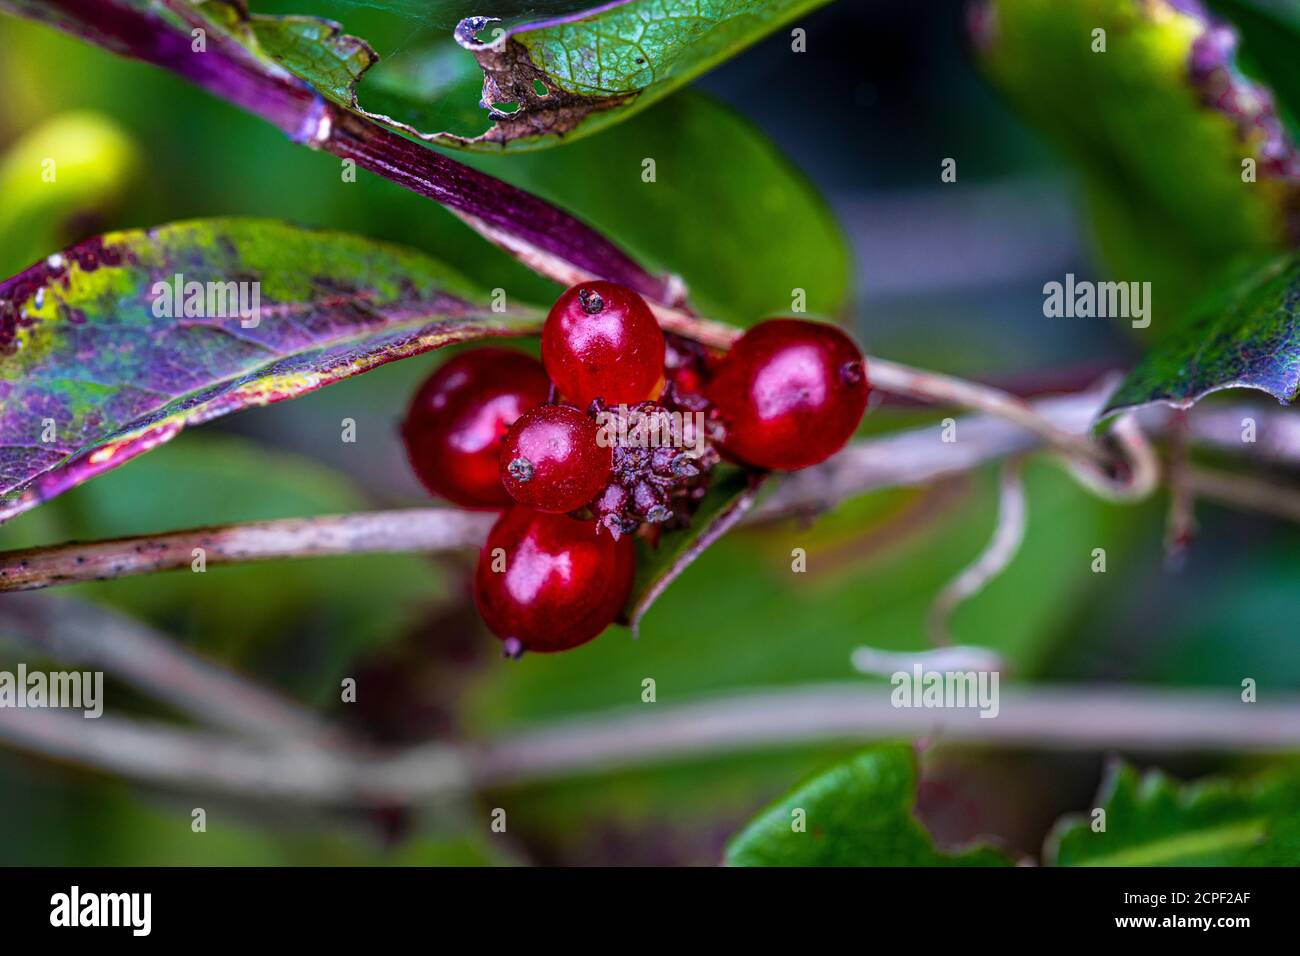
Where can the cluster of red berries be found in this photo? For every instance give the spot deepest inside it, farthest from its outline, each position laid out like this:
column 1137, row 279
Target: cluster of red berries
column 562, row 446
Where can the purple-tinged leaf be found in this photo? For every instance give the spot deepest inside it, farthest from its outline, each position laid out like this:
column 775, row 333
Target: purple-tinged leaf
column 230, row 64
column 731, row 497
column 101, row 359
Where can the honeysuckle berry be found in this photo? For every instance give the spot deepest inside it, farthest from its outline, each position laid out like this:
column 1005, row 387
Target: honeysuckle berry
column 789, row 394
column 687, row 368
column 548, row 582
column 553, row 459
column 601, row 340
column 457, row 419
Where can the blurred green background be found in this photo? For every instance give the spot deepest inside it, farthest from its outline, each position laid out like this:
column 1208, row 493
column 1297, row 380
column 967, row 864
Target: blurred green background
column 945, row 276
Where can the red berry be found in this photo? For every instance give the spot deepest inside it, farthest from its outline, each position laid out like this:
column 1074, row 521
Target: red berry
column 554, row 583
column 790, row 393
column 553, row 459
column 456, row 421
column 601, row 340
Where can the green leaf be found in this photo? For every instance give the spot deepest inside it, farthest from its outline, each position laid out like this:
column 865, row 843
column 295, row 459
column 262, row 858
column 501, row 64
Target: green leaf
column 1245, row 334
column 99, row 365
column 856, row 814
column 544, row 82
column 70, row 169
column 743, row 234
column 1159, row 125
column 1153, row 820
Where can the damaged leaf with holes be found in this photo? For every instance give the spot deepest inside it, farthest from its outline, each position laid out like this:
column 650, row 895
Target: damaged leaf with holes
column 531, row 84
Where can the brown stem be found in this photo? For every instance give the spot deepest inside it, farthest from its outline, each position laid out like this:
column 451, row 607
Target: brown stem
column 917, row 456
column 910, row 457
column 419, row 529
column 905, row 458
column 717, row 335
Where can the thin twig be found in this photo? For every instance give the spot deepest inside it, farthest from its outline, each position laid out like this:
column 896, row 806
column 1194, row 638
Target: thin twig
column 94, row 636
column 718, row 335
column 904, row 458
column 943, row 389
column 1246, row 492
column 910, row 457
column 954, row 657
column 416, row 529
column 1001, row 549
column 1180, row 522
column 919, row 455
column 1144, row 719
column 922, row 384
column 1266, row 433
column 718, row 525
column 1050, row 717
column 1138, row 472
column 206, row 763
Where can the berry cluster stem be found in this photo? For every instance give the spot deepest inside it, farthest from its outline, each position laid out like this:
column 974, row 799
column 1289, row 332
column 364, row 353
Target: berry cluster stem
column 928, row 386
column 904, row 458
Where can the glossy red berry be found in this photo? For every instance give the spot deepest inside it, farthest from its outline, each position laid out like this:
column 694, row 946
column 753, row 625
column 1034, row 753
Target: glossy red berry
column 458, row 418
column 601, row 340
column 553, row 459
column 548, row 582
column 789, row 394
